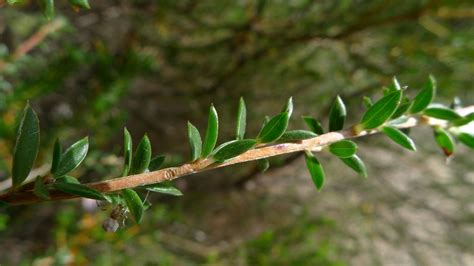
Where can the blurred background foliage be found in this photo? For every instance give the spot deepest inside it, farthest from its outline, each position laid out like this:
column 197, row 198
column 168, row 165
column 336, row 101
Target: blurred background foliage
column 153, row 65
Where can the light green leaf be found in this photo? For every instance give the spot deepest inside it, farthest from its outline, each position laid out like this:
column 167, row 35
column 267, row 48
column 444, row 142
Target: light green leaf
column 26, row 146
column 40, row 189
column 424, row 97
column 442, row 113
column 445, row 141
column 57, row 151
column 78, row 190
column 241, row 120
column 141, row 158
column 211, row 134
column 381, row 111
column 337, row 115
column 356, row 164
column 399, row 137
column 233, row 148
column 195, row 141
column 156, row 162
column 73, row 157
column 297, row 135
column 315, row 169
column 467, row 139
column 127, row 152
column 134, row 204
column 274, row 129
column 164, row 189
column 343, row 148
column 313, row 125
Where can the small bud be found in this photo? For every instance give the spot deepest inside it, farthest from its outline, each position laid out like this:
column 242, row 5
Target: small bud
column 110, row 225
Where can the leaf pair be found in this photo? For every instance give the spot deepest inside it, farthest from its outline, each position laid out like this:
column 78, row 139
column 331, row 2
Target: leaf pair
column 64, row 163
column 198, row 148
column 140, row 161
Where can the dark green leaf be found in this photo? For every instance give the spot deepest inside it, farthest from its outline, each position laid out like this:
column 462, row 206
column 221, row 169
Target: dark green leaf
column 195, row 141
column 78, row 190
column 67, row 179
column 233, row 148
column 141, row 158
column 343, row 148
column 156, row 162
column 315, row 169
column 48, row 8
column 274, row 129
column 127, row 152
column 313, row 125
column 442, row 113
column 73, row 157
column 381, row 110
column 26, row 146
column 80, row 3
column 399, row 137
column 241, row 120
column 263, row 165
column 134, row 203
column 288, row 107
column 467, row 139
column 296, row 135
column 40, row 189
column 337, row 115
column 211, row 134
column 445, row 141
column 57, row 151
column 424, row 97
column 356, row 164
column 164, row 189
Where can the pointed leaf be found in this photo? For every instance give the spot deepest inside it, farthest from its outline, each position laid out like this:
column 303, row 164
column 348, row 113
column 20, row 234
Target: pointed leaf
column 211, row 134
column 274, row 129
column 343, row 148
column 233, row 148
column 241, row 120
column 313, row 125
column 40, row 189
column 164, row 189
column 134, row 204
column 26, row 146
column 296, row 135
column 424, row 97
column 73, row 157
column 442, row 113
column 195, row 141
column 156, row 162
column 288, row 107
column 57, row 151
column 467, row 139
column 381, row 111
column 337, row 115
column 127, row 152
column 141, row 158
column 78, row 190
column 356, row 164
column 315, row 169
column 399, row 137
column 445, row 141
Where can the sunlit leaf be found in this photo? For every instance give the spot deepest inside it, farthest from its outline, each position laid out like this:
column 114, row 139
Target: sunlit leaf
column 195, row 141
column 274, row 129
column 337, row 115
column 73, row 157
column 381, row 111
column 211, row 134
column 399, row 137
column 241, row 120
column 288, row 107
column 424, row 97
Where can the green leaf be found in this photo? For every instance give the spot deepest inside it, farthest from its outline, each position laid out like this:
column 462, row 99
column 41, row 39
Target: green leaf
column 141, row 158
column 73, row 157
column 467, row 139
column 337, row 115
column 211, row 134
column 463, row 120
column 343, row 148
column 156, row 162
column 127, row 152
column 80, row 3
column 241, row 120
column 296, row 135
column 195, row 141
column 315, row 169
column 78, row 190
column 274, row 129
column 67, row 179
column 40, row 189
column 445, row 141
column 356, row 164
column 424, row 97
column 233, row 148
column 399, row 137
column 313, row 125
column 442, row 113
column 134, row 204
column 26, row 146
column 288, row 108
column 57, row 151
column 402, row 108
column 263, row 165
column 368, row 102
column 164, row 189
column 381, row 110
column 48, row 8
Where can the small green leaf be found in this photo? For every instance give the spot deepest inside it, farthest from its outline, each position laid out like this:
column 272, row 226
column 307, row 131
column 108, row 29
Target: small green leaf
column 80, row 3
column 40, row 189
column 315, row 169
column 463, row 120
column 343, row 148
column 156, row 162
column 263, row 165
column 313, row 125
column 78, row 190
column 337, row 115
column 48, row 8
column 399, row 137
column 445, row 141
column 442, row 113
column 164, row 189
column 67, row 179
column 368, row 102
column 233, row 148
column 296, row 135
column 73, row 157
column 134, row 204
column 241, row 120
column 127, row 152
column 402, row 108
column 195, row 141
column 424, row 97
column 57, row 151
column 381, row 110
column 288, row 107
column 211, row 134
column 356, row 164
column 141, row 158
column 467, row 139
column 274, row 129
column 26, row 146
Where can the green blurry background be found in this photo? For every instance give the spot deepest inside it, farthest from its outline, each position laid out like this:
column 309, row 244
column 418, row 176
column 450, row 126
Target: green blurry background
column 154, row 65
